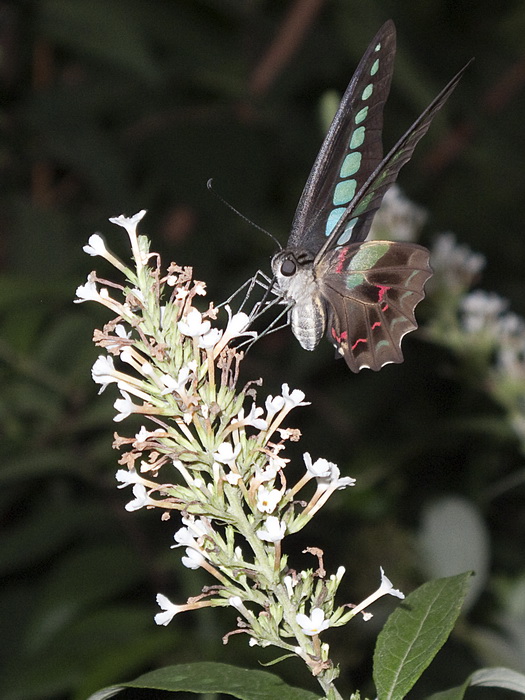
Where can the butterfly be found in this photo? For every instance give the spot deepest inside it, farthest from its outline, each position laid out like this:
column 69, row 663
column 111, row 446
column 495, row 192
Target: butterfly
column 363, row 294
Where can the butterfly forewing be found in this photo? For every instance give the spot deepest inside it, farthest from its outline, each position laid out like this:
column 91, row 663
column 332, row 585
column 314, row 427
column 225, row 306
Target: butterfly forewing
column 372, row 289
column 358, row 215
column 352, row 148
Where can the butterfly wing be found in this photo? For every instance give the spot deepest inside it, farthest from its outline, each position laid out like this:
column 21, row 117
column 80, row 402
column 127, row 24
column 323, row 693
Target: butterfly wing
column 354, row 221
column 372, row 290
column 352, row 149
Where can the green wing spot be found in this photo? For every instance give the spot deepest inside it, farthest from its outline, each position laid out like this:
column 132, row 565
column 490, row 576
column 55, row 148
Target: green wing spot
column 354, row 280
column 347, row 233
column 357, row 137
column 369, row 89
column 409, row 278
column 361, row 115
column 344, row 191
column 333, row 219
column 367, row 256
column 351, row 164
column 378, row 47
column 375, row 67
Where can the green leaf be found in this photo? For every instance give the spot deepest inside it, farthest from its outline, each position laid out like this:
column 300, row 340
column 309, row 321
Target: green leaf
column 485, row 677
column 214, row 678
column 499, row 678
column 415, row 632
column 457, row 693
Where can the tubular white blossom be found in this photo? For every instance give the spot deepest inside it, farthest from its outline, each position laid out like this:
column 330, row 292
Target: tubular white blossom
column 127, row 477
column 293, row 398
column 273, row 530
column 169, row 610
column 267, row 500
column 226, row 453
column 192, row 324
column 124, row 406
column 193, row 559
column 103, row 371
column 87, row 292
column 314, row 624
column 320, row 468
column 273, row 405
column 141, row 499
column 210, row 339
column 95, row 246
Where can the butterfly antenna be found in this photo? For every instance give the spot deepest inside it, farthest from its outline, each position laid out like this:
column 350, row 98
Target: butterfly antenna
column 245, row 218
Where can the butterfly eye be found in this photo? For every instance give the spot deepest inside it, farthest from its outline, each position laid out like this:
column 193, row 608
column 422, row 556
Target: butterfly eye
column 288, row 268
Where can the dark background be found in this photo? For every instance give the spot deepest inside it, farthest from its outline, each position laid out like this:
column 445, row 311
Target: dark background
column 111, row 106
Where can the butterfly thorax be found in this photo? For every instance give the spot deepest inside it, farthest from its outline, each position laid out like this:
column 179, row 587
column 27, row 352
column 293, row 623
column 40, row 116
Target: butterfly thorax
column 294, row 272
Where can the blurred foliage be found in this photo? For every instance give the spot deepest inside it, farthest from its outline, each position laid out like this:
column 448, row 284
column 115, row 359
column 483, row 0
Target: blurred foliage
column 111, row 106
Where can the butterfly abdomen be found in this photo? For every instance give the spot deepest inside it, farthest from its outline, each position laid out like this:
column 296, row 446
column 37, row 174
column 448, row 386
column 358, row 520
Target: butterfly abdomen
column 293, row 270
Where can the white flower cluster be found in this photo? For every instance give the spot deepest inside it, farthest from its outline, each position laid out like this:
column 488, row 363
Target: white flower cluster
column 456, row 267
column 219, row 457
column 398, row 218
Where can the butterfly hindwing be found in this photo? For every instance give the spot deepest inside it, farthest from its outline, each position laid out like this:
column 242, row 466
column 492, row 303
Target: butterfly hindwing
column 372, row 290
column 352, row 148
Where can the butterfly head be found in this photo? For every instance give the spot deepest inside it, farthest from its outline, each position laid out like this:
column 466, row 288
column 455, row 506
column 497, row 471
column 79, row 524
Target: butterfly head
column 290, row 264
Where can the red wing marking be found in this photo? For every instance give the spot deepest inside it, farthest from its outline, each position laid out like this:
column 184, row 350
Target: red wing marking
column 377, row 324
column 340, row 261
column 359, row 340
column 383, row 289
column 339, row 338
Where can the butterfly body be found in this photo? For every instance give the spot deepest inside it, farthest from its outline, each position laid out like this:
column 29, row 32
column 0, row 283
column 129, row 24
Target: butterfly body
column 362, row 294
column 308, row 315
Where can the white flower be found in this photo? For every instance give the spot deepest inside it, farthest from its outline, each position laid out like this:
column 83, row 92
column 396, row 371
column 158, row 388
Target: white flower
column 236, row 325
column 129, row 222
column 386, row 588
column 267, row 501
column 194, row 528
column 103, row 371
column 210, row 339
column 268, row 474
column 314, row 624
column 170, row 610
column 124, row 406
column 482, row 311
column 120, row 332
column 184, row 538
column 193, row 559
column 141, row 498
column 127, row 477
column 88, row 292
column 273, row 531
column 95, row 246
column 233, row 478
column 226, row 454
column 320, row 468
column 273, row 406
column 333, row 481
column 456, row 266
column 252, row 418
column 289, row 584
column 192, row 324
column 179, row 384
column 398, row 218
column 293, row 398
column 145, row 434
